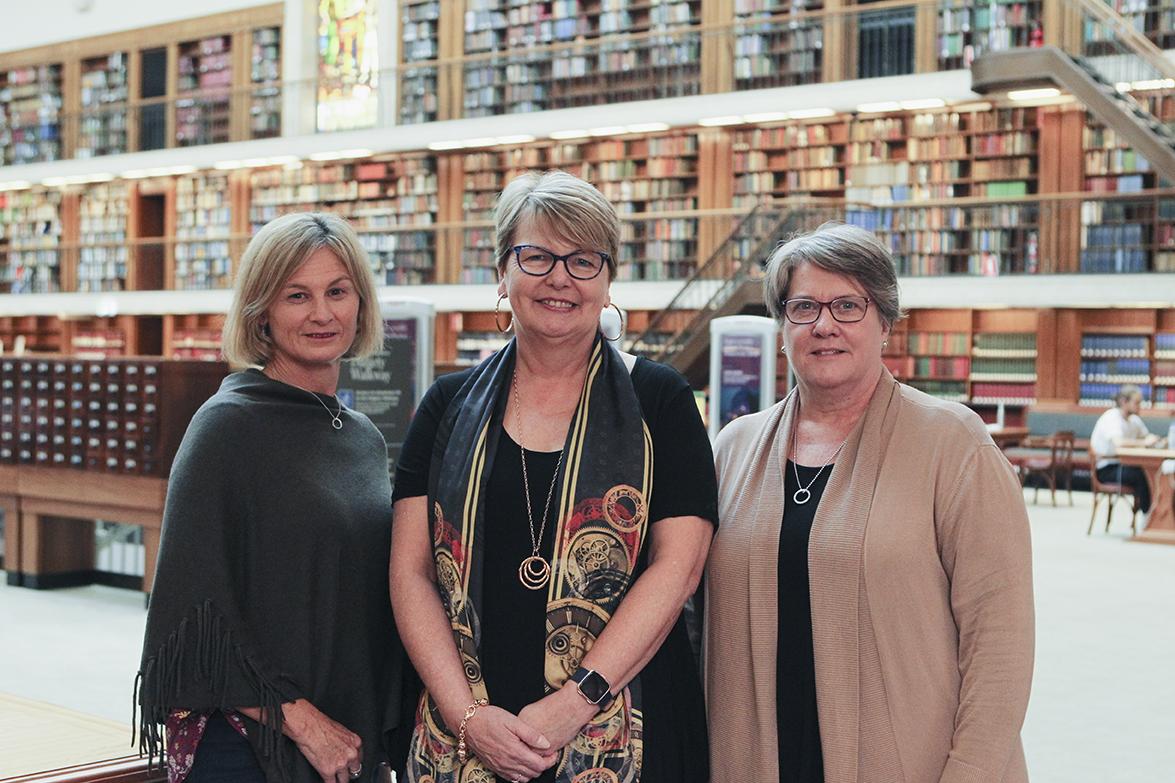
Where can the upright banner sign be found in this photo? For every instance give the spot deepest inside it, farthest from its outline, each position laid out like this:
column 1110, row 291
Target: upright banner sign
column 742, row 368
column 388, row 386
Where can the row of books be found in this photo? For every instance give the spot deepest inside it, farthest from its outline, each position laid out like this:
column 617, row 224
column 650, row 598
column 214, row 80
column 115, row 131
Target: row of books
column 1114, row 345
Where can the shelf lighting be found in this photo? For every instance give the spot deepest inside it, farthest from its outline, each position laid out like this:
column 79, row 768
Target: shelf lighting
column 18, row 184
column 229, row 165
column 766, row 116
column 340, row 155
column 1148, row 84
column 1032, row 95
column 446, row 145
column 922, row 103
column 811, row 114
column 877, row 108
column 609, row 130
column 730, row 119
column 570, row 134
column 520, row 138
column 645, row 127
column 133, row 174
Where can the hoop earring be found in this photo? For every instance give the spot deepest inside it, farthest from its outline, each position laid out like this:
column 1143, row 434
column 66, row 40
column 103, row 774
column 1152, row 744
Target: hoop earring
column 497, row 322
column 619, row 315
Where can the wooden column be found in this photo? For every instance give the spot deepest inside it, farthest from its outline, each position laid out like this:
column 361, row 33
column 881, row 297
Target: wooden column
column 717, row 49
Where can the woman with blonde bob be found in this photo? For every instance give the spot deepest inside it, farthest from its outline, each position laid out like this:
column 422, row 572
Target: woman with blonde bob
column 869, row 614
column 271, row 652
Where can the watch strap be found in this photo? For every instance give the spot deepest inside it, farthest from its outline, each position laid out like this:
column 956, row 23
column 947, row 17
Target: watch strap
column 581, row 674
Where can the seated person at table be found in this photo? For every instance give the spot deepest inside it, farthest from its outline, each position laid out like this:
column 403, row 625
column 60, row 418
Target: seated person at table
column 1121, row 426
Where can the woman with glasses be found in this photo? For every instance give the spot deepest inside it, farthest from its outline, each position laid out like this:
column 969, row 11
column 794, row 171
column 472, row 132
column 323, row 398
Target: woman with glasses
column 553, row 510
column 869, row 612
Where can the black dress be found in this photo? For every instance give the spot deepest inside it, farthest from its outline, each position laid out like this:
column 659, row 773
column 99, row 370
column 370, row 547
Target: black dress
column 513, row 618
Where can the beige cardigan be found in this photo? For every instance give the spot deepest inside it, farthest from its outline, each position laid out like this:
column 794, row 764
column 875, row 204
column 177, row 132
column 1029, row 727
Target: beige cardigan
column 922, row 613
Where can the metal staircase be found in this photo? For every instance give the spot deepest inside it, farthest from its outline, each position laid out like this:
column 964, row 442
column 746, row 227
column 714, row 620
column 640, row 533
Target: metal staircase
column 1103, row 55
column 729, row 283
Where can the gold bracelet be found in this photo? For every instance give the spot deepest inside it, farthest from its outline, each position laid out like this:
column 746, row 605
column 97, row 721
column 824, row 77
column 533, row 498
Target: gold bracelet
column 462, row 751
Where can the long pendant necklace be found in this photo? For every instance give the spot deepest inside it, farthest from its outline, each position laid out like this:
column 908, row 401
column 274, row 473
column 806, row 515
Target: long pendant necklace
column 336, row 420
column 804, row 494
column 535, row 570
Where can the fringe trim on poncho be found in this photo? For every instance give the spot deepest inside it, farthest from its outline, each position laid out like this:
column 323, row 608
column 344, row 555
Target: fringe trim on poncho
column 160, row 686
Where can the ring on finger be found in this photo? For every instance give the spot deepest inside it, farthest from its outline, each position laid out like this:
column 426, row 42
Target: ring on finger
column 355, row 773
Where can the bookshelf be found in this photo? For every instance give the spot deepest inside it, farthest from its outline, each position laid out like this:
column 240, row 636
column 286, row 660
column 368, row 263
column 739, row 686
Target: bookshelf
column 1164, row 368
column 103, row 256
column 1003, row 368
column 1115, row 233
column 205, row 79
column 30, row 261
column 1109, row 361
column 903, row 161
column 390, row 200
column 530, row 56
column 776, row 45
column 202, row 251
column 792, row 159
column 265, row 73
column 420, row 31
column 102, row 127
column 30, row 122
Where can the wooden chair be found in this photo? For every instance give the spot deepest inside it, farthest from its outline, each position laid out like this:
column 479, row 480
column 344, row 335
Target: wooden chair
column 1112, row 493
column 1052, row 467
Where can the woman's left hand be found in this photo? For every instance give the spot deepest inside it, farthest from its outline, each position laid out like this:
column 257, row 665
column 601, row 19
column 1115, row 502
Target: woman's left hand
column 559, row 716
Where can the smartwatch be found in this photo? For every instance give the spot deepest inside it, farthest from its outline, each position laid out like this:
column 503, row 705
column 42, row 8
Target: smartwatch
column 593, row 687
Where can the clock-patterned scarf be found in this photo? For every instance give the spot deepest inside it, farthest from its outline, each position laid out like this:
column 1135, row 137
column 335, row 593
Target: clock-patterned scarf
column 603, row 488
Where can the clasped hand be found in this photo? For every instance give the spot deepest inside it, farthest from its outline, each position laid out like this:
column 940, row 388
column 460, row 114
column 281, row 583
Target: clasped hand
column 508, row 745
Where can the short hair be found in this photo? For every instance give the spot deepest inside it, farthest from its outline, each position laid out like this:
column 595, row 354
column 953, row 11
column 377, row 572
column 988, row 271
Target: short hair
column 564, row 205
column 844, row 250
column 278, row 250
column 1126, row 393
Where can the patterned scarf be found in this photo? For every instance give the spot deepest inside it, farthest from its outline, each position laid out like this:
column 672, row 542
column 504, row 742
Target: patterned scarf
column 604, row 485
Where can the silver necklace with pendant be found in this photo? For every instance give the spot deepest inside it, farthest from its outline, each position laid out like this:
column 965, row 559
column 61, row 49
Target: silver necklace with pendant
column 804, row 494
column 336, row 419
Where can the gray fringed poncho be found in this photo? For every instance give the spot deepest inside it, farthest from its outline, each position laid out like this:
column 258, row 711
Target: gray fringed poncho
column 272, row 579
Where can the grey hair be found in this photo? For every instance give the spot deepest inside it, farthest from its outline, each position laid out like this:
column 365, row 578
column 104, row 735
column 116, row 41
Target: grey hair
column 841, row 249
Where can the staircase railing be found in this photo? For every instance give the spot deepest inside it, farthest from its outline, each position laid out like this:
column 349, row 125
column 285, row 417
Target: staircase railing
column 1108, row 38
column 739, row 258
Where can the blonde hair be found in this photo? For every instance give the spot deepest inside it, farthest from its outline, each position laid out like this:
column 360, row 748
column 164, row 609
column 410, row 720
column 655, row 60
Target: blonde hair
column 278, row 250
column 562, row 204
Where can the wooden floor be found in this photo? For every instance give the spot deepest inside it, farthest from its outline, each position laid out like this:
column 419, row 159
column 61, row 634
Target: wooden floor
column 35, row 736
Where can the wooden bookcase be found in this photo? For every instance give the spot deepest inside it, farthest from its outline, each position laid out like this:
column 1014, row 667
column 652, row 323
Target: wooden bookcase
column 30, row 113
column 391, row 201
column 134, row 90
column 30, row 259
column 202, row 254
column 105, row 90
column 984, row 358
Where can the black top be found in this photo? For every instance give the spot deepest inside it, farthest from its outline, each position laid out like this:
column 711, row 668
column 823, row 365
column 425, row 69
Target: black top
column 513, row 617
column 800, row 757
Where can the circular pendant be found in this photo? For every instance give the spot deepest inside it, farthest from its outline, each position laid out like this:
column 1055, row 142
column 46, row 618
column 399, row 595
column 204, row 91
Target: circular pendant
column 802, row 496
column 337, row 423
column 534, row 572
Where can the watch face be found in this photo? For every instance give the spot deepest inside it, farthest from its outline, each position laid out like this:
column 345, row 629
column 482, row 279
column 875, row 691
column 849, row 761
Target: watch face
column 594, row 687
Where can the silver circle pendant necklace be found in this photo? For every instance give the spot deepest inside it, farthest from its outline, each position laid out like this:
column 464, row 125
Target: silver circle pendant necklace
column 804, row 494
column 336, row 419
